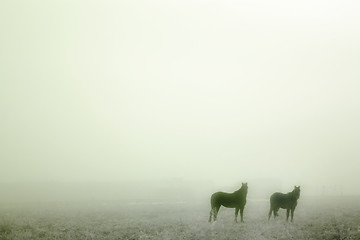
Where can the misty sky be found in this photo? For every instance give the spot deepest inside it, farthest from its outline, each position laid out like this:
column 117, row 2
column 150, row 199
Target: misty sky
column 194, row 90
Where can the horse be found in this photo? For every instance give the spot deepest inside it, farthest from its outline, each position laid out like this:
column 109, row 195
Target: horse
column 235, row 200
column 286, row 201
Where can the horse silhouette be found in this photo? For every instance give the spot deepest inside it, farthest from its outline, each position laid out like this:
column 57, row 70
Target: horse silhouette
column 286, row 201
column 235, row 200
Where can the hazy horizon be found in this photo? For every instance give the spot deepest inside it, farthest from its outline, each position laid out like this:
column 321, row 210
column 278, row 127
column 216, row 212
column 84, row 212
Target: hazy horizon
column 197, row 94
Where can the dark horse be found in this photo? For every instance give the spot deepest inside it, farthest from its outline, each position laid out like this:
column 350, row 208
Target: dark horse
column 286, row 201
column 235, row 200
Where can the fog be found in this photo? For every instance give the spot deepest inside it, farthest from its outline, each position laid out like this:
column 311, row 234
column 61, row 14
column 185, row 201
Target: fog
column 135, row 100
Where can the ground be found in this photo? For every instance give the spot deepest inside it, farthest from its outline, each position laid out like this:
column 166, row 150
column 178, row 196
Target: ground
column 319, row 218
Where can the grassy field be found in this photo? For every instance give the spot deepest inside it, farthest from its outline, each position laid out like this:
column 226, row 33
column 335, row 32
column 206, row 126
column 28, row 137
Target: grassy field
column 336, row 218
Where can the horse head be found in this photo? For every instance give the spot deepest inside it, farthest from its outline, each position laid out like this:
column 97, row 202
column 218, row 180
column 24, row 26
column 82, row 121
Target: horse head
column 244, row 187
column 296, row 192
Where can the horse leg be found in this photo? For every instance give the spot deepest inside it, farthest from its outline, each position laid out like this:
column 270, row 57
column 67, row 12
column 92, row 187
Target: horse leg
column 276, row 212
column 242, row 213
column 287, row 214
column 271, row 209
column 211, row 212
column 236, row 214
column 215, row 212
column 292, row 213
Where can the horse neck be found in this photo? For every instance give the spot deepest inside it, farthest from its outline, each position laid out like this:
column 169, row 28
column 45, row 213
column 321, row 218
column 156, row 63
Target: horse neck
column 292, row 195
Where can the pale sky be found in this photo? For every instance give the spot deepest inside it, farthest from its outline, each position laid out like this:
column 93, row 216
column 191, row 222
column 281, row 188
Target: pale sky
column 194, row 90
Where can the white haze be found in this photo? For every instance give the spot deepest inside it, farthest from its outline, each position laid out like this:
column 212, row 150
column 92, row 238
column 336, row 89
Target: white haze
column 140, row 99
